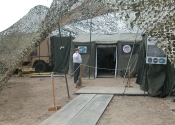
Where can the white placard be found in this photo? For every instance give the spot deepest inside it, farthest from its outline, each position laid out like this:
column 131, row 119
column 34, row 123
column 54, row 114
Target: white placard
column 126, row 48
column 82, row 49
column 154, row 55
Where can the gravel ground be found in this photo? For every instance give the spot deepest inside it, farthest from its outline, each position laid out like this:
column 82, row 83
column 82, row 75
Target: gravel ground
column 26, row 101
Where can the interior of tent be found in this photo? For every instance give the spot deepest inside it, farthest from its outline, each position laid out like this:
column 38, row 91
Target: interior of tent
column 106, row 61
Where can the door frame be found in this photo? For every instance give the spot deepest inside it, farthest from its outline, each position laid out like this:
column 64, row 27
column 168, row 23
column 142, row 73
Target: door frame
column 105, row 46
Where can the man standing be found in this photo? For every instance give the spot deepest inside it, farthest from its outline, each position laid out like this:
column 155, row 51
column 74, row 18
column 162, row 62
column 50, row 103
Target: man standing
column 76, row 60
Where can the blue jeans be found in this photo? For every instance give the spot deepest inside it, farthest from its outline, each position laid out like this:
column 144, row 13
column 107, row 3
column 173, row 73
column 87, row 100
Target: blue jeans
column 77, row 72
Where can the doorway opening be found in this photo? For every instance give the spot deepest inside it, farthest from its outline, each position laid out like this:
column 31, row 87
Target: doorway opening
column 106, row 61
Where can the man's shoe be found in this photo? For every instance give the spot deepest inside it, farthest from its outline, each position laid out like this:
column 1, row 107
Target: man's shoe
column 77, row 83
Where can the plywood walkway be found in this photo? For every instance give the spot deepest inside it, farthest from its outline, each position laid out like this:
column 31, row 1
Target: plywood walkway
column 111, row 90
column 85, row 109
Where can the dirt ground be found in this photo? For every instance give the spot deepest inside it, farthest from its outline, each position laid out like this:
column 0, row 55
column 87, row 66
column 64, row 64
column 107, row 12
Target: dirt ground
column 25, row 101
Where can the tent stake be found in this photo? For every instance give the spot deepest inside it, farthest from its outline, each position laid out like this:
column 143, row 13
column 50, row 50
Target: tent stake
column 54, row 108
column 128, row 82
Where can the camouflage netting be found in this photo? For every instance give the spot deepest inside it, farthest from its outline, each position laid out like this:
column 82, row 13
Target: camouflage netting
column 152, row 17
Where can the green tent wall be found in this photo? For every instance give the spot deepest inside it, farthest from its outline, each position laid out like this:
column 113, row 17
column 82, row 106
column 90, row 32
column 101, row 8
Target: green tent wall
column 60, row 50
column 89, row 58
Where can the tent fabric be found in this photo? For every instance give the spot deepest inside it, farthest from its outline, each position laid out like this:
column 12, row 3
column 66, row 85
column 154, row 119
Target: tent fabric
column 156, row 79
column 124, row 59
column 89, row 58
column 60, row 49
column 169, row 87
column 86, row 59
column 108, row 39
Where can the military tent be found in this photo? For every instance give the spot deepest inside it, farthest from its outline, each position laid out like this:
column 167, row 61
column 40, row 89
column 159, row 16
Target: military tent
column 156, row 79
column 98, row 52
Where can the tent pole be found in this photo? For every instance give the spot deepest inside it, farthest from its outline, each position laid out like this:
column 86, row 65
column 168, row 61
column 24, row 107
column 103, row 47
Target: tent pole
column 64, row 64
column 90, row 40
column 130, row 59
column 90, row 52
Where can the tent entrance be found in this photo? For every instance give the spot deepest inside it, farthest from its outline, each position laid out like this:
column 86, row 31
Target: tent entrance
column 106, row 65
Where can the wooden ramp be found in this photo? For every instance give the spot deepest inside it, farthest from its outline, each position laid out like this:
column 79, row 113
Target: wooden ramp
column 111, row 90
column 85, row 109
